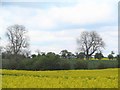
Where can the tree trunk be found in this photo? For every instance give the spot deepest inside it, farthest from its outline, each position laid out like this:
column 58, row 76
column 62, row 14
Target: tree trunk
column 87, row 57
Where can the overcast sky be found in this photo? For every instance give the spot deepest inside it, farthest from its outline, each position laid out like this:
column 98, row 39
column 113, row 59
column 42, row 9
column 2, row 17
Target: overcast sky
column 54, row 25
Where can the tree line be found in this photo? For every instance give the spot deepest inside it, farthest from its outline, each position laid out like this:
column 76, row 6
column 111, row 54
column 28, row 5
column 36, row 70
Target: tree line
column 17, row 52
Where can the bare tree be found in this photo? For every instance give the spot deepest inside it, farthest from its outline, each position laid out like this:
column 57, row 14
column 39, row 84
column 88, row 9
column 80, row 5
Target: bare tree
column 26, row 53
column 89, row 43
column 17, row 39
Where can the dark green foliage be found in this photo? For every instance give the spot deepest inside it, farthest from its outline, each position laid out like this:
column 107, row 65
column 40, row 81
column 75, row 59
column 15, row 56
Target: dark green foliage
column 80, row 55
column 33, row 56
column 96, row 64
column 69, row 55
column 80, row 64
column 101, row 66
column 52, row 61
column 98, row 56
column 7, row 55
column 64, row 53
column 110, row 56
column 112, row 52
column 47, row 62
column 8, row 64
column 93, row 64
column 118, row 57
column 65, row 64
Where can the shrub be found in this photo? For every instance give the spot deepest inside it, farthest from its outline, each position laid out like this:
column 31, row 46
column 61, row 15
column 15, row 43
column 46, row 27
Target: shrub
column 81, row 64
column 110, row 56
column 65, row 64
column 48, row 62
column 54, row 62
column 98, row 56
column 101, row 66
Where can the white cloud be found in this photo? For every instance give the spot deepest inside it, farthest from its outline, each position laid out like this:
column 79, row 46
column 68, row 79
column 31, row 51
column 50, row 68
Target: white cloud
column 58, row 40
column 55, row 35
column 39, row 0
column 58, row 1
column 33, row 18
column 83, row 13
column 110, row 37
column 66, row 39
column 40, row 21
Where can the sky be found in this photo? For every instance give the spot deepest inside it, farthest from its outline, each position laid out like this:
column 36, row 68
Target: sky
column 54, row 25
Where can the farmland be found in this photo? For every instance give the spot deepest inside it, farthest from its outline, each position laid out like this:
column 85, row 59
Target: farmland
column 102, row 78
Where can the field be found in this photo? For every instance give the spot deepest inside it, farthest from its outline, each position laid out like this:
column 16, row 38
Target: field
column 103, row 78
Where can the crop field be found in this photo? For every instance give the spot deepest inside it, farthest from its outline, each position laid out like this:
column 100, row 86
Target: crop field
column 103, row 78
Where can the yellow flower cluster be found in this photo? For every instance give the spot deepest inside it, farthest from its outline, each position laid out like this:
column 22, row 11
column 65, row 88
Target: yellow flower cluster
column 104, row 78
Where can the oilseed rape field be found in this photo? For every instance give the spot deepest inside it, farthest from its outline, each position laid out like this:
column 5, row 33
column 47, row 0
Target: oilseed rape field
column 102, row 78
